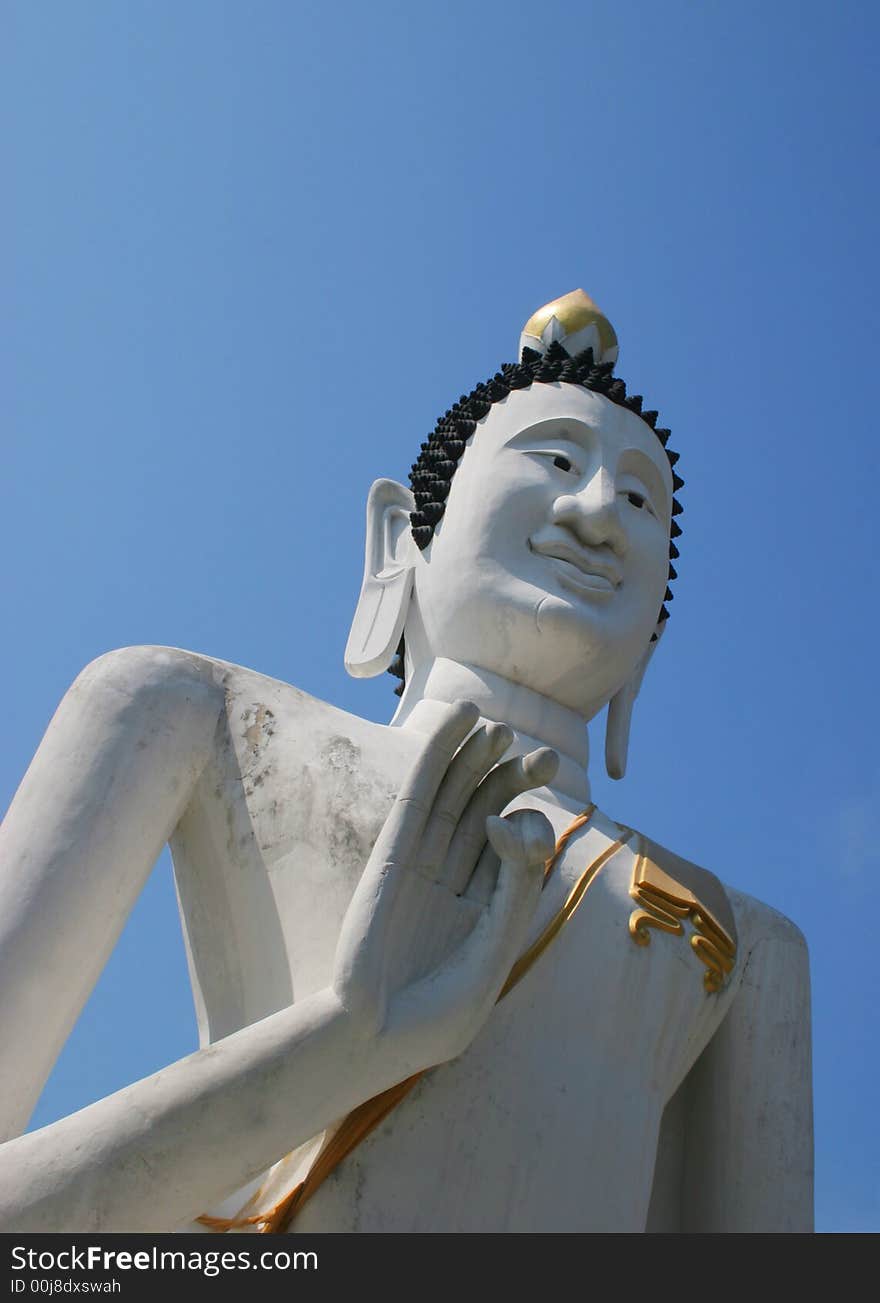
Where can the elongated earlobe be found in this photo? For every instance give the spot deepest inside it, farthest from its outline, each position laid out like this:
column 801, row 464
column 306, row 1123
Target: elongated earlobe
column 388, row 577
column 619, row 719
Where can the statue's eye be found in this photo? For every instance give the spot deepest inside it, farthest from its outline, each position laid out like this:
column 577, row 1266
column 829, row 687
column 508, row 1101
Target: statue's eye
column 637, row 499
column 562, row 462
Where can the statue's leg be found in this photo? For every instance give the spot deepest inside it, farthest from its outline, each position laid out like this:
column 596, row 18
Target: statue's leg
column 106, row 788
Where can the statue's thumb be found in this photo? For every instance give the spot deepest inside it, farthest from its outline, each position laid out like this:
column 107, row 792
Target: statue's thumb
column 524, row 837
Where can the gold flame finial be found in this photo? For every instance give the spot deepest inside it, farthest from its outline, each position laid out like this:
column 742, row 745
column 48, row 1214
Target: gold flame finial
column 575, row 322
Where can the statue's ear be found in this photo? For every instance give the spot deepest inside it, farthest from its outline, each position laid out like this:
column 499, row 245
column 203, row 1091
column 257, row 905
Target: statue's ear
column 620, row 709
column 388, row 577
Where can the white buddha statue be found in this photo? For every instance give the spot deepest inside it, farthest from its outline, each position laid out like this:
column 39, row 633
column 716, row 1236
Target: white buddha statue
column 356, row 897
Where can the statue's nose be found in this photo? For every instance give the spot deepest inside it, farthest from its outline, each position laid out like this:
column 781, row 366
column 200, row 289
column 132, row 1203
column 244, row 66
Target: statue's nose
column 592, row 513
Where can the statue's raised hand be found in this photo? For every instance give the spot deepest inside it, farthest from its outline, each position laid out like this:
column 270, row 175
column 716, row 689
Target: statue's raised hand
column 442, row 910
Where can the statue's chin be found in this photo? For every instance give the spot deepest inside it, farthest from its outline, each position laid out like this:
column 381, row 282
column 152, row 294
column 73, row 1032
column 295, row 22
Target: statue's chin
column 575, row 648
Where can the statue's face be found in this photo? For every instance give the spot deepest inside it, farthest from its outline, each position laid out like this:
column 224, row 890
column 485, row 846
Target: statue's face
column 550, row 563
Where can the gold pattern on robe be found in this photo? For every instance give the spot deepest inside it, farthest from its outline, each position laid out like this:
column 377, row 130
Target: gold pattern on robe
column 665, row 903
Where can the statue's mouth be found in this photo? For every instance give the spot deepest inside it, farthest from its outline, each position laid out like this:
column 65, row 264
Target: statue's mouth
column 579, row 568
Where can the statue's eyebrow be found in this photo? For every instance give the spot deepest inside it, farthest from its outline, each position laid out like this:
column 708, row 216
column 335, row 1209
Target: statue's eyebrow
column 555, row 428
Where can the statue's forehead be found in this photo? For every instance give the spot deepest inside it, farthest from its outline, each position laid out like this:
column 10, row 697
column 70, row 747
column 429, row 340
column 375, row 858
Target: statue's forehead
column 611, row 423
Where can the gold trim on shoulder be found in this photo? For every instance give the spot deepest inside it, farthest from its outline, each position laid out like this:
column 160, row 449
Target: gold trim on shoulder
column 572, row 900
column 665, row 903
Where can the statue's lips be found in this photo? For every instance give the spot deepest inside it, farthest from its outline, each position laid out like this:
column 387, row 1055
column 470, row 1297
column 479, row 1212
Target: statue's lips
column 578, row 568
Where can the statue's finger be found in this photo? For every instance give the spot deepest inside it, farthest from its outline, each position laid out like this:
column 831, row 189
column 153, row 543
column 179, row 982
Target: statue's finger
column 484, row 877
column 525, row 837
column 496, row 791
column 466, row 771
column 403, row 828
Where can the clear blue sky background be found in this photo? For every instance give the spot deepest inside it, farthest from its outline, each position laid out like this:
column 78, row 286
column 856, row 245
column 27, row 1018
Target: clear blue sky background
column 253, row 250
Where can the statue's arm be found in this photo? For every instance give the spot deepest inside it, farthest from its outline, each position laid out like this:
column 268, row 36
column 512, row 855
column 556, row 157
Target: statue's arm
column 111, row 778
column 433, row 929
column 748, row 1161
column 156, row 1154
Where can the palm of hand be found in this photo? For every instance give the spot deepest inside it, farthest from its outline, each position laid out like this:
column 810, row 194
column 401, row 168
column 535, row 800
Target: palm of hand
column 444, row 903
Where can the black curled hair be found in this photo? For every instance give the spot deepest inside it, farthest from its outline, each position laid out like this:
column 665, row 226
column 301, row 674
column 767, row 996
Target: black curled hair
column 433, row 469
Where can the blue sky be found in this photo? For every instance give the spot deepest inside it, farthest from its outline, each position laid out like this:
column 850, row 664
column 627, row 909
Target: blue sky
column 253, row 249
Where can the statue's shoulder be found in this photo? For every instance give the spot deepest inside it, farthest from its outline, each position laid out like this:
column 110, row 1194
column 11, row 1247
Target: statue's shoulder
column 259, row 705
column 149, row 674
column 765, row 925
column 748, row 921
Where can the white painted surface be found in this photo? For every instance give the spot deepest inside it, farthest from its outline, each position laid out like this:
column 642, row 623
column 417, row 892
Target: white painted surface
column 536, row 601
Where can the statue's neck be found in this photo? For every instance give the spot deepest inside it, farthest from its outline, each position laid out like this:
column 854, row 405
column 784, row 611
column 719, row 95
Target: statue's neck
column 536, row 720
